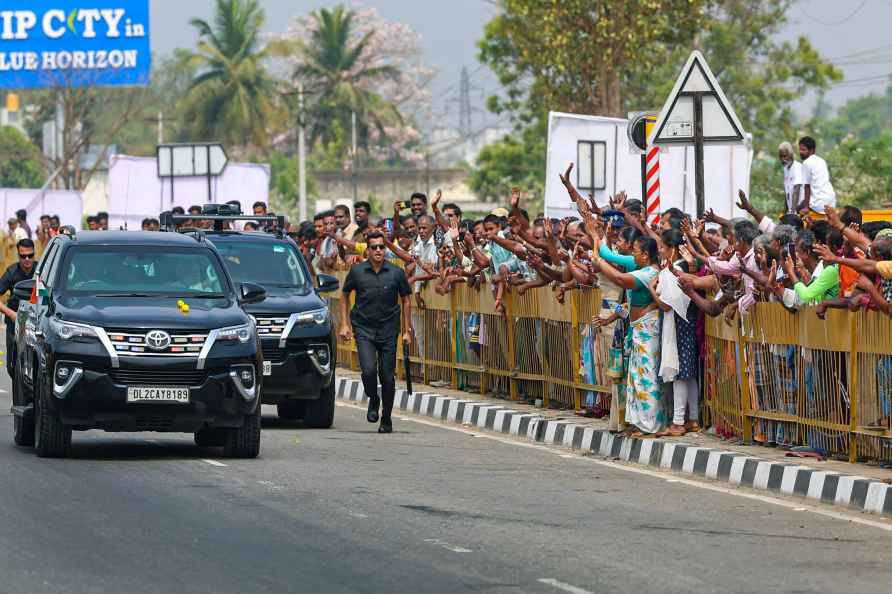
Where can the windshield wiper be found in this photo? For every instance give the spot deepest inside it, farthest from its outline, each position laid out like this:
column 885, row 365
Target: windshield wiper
column 124, row 295
column 283, row 285
column 205, row 296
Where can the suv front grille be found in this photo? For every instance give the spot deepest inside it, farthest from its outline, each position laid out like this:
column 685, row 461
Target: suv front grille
column 134, row 344
column 270, row 326
column 157, row 377
column 272, row 352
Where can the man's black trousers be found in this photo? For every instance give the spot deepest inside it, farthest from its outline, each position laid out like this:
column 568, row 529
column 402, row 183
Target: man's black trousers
column 10, row 349
column 377, row 360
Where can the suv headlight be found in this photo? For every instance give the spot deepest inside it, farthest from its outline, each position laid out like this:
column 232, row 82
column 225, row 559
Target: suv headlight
column 70, row 330
column 243, row 333
column 320, row 316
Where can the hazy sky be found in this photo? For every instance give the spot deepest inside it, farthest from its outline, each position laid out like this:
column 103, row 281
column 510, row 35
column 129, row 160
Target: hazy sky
column 852, row 32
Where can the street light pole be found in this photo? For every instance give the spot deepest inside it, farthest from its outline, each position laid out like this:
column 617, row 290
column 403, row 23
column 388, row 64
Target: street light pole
column 355, row 156
column 354, row 159
column 301, row 154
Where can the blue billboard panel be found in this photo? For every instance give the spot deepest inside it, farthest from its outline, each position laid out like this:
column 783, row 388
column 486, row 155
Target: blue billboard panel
column 74, row 43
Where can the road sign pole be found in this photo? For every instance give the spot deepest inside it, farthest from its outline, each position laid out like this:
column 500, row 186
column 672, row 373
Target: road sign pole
column 301, row 155
column 698, row 154
column 644, row 180
column 210, row 198
column 171, row 179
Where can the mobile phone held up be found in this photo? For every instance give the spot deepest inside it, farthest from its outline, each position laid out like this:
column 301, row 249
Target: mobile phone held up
column 791, row 250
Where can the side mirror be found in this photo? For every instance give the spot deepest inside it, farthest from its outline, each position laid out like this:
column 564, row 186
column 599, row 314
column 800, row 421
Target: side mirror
column 252, row 293
column 22, row 290
column 328, row 283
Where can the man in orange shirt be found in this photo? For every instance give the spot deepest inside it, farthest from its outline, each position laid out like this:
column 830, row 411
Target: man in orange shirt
column 848, row 277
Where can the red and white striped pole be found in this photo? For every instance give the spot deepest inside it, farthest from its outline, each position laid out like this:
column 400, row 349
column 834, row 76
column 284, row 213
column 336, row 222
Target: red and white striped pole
column 652, row 184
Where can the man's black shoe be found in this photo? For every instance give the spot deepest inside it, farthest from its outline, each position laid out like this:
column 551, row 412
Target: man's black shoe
column 386, row 427
column 372, row 415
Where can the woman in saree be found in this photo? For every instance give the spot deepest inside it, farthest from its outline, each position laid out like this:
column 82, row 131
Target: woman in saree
column 644, row 406
column 620, row 257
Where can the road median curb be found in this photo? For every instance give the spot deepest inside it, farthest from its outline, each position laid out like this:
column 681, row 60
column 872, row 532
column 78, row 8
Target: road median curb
column 734, row 468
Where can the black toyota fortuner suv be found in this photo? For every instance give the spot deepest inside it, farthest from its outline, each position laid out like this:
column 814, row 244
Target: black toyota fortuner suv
column 293, row 322
column 134, row 331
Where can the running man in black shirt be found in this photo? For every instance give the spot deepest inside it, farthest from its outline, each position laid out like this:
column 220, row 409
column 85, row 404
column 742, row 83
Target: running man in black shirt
column 380, row 287
column 21, row 270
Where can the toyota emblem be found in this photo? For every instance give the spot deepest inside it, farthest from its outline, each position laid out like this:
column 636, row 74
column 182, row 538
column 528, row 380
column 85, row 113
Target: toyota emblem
column 157, row 340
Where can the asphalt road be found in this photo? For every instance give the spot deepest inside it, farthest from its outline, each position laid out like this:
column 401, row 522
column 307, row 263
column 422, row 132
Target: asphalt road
column 425, row 509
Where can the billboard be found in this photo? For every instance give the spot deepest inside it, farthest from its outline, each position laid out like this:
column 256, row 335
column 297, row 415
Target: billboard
column 74, row 43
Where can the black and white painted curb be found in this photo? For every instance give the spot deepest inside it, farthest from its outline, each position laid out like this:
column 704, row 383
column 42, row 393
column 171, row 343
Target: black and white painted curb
column 857, row 492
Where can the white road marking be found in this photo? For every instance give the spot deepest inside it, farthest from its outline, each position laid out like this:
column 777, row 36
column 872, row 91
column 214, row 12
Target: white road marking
column 447, row 546
column 2, row 391
column 737, row 492
column 213, row 462
column 563, row 586
column 358, row 515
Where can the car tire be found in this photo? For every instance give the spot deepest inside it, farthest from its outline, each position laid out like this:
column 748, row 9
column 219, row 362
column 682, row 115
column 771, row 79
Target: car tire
column 23, row 434
column 320, row 412
column 244, row 441
column 52, row 437
column 210, row 437
column 291, row 410
column 24, row 431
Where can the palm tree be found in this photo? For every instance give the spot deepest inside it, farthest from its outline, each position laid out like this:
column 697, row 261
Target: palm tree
column 231, row 97
column 333, row 70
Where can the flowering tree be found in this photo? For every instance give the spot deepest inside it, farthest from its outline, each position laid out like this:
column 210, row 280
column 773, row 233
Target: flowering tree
column 355, row 61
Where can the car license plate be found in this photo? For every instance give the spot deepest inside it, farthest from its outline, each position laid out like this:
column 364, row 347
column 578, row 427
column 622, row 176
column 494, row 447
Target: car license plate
column 147, row 394
column 267, row 368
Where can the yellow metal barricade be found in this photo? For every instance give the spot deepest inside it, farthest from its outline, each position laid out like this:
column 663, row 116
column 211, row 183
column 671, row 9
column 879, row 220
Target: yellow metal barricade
column 771, row 376
column 724, row 375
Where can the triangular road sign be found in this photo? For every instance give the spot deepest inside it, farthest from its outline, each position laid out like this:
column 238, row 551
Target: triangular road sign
column 696, row 88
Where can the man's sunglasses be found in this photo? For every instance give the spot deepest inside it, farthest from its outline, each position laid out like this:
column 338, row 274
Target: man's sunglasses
column 26, row 256
column 376, row 247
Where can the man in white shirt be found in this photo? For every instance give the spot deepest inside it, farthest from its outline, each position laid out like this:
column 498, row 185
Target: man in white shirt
column 792, row 175
column 425, row 247
column 819, row 191
column 16, row 231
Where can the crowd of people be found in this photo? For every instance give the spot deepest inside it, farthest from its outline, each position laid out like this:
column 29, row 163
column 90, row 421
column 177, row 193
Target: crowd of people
column 660, row 278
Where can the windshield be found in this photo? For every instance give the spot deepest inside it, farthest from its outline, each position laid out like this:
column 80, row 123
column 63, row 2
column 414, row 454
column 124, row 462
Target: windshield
column 268, row 263
column 153, row 271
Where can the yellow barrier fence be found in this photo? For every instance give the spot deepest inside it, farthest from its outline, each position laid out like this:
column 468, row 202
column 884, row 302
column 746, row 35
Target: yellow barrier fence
column 539, row 350
column 774, row 376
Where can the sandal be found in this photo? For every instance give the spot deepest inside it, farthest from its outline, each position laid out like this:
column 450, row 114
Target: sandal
column 674, row 431
column 692, row 427
column 638, row 434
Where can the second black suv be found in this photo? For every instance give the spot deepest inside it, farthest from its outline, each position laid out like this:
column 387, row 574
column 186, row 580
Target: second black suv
column 293, row 322
column 134, row 331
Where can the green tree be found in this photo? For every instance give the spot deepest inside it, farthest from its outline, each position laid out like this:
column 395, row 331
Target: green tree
column 861, row 170
column 232, row 97
column 574, row 55
column 335, row 72
column 20, row 162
